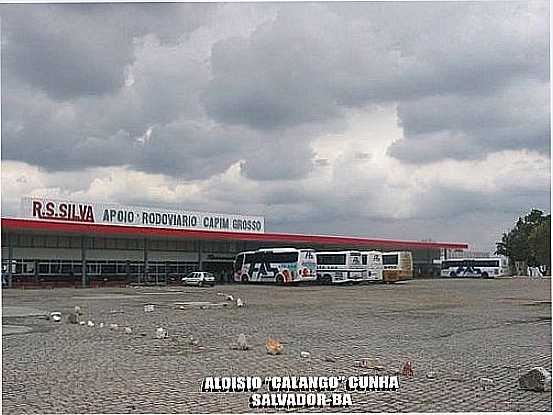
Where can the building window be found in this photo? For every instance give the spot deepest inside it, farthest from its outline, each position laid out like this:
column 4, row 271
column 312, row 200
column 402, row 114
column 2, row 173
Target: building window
column 44, row 268
column 75, row 242
column 39, row 241
column 99, row 243
column 122, row 244
column 64, row 242
column 66, row 267
column 25, row 240
column 111, row 243
column 51, row 241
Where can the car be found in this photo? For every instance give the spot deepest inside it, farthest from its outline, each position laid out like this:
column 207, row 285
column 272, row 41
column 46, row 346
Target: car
column 199, row 278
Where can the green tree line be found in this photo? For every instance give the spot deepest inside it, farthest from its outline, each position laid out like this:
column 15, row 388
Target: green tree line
column 529, row 241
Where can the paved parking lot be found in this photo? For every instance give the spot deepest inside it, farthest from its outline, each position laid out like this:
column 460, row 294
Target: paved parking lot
column 461, row 329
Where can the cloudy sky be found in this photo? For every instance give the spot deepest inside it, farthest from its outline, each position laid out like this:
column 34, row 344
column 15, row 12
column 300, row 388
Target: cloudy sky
column 397, row 120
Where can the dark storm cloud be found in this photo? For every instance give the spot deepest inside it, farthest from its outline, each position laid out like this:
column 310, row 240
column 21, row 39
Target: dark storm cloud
column 72, row 50
column 57, row 139
column 467, row 127
column 355, row 59
column 278, row 158
column 468, row 79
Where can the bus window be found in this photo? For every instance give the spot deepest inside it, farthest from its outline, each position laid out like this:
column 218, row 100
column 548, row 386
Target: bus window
column 331, row 259
column 280, row 257
column 390, row 259
column 355, row 259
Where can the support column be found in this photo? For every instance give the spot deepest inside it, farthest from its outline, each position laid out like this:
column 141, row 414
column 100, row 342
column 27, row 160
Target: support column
column 37, row 262
column 200, row 255
column 145, row 261
column 10, row 260
column 83, row 261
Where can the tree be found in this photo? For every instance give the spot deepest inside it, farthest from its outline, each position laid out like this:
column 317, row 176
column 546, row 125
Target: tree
column 529, row 241
column 540, row 243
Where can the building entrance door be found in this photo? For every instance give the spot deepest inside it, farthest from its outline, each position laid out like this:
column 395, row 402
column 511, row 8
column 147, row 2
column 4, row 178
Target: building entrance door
column 222, row 270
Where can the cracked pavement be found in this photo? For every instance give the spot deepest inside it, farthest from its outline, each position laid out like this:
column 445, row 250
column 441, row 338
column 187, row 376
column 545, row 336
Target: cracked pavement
column 460, row 329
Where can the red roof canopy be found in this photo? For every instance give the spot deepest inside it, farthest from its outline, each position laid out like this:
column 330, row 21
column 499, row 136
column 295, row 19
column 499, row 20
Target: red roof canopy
column 95, row 229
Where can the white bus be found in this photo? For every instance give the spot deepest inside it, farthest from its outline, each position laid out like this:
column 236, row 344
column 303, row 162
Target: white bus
column 339, row 267
column 475, row 267
column 372, row 260
column 398, row 266
column 280, row 265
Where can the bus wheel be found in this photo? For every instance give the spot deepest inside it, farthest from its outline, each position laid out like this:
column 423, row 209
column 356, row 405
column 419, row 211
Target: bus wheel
column 280, row 279
column 244, row 279
column 327, row 280
column 485, row 275
column 452, row 274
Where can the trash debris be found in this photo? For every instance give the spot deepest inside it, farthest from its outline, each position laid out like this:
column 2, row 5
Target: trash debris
column 77, row 310
column 455, row 377
column 116, row 312
column 161, row 333
column 73, row 318
column 55, row 315
column 128, row 330
column 90, row 323
column 431, row 374
column 193, row 341
column 82, row 323
column 239, row 302
column 537, row 379
column 407, row 369
column 366, row 363
column 305, row 355
column 369, row 364
column 143, row 334
column 485, row 382
column 228, row 297
column 241, row 343
column 148, row 308
column 201, row 304
column 113, row 326
column 330, row 359
column 101, row 325
column 193, row 303
column 273, row 346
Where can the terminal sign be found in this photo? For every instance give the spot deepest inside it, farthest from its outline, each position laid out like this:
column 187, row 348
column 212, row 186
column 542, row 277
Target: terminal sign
column 94, row 213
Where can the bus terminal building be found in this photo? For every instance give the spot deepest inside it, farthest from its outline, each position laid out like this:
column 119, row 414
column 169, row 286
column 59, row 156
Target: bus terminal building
column 61, row 243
